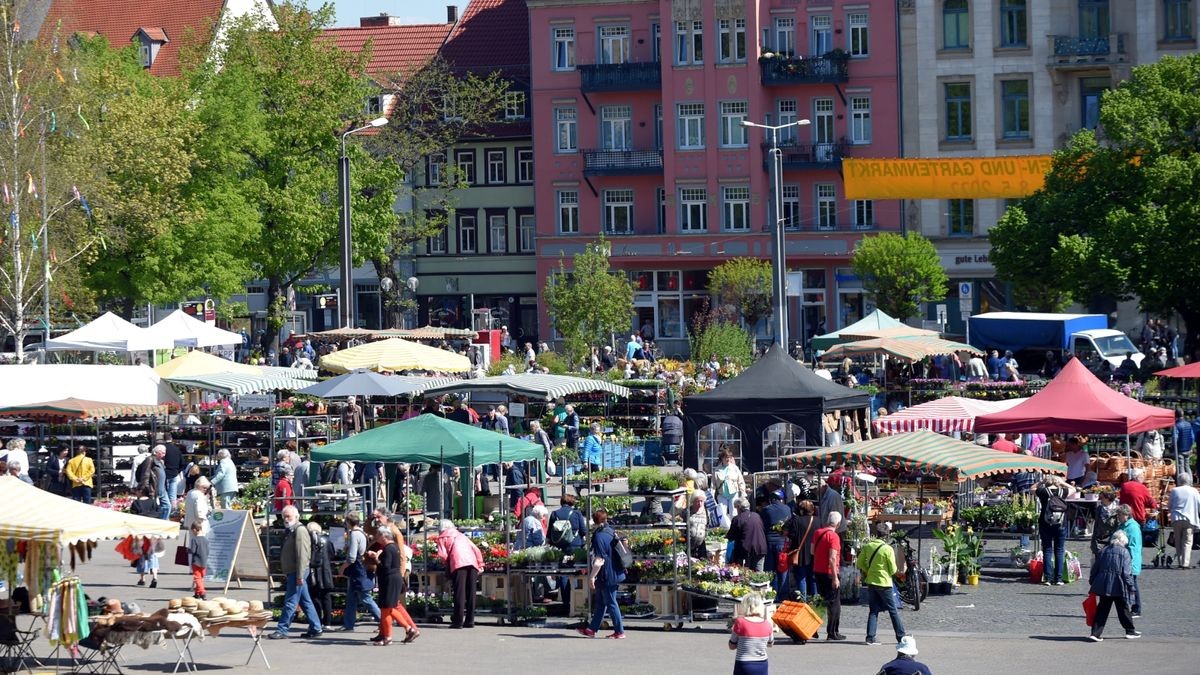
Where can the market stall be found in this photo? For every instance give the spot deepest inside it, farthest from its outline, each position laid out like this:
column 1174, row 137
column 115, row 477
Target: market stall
column 539, row 387
column 876, row 320
column 187, row 331
column 36, row 383
column 198, row 362
column 30, row 514
column 370, row 383
column 945, row 415
column 906, row 347
column 396, row 355
column 109, row 333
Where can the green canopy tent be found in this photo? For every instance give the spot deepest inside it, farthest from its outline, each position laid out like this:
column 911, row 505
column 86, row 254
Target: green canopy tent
column 431, row 440
column 876, row 320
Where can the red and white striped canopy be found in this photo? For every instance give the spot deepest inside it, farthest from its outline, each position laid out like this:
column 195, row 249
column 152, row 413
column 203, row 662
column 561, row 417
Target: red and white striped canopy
column 943, row 415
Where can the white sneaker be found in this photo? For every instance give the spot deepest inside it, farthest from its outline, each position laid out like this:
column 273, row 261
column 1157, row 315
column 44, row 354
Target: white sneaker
column 1095, row 638
column 1133, row 636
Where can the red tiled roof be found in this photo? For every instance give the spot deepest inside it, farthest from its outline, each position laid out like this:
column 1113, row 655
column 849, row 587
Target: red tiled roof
column 119, row 20
column 492, row 34
column 156, row 34
column 394, row 49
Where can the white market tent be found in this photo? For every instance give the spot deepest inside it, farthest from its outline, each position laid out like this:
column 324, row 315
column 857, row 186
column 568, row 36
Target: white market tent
column 187, row 331
column 31, row 514
column 539, row 387
column 108, row 333
column 37, row 383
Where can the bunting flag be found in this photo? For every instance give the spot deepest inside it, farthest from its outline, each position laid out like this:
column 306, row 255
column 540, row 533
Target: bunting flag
column 33, row 241
column 7, row 195
column 86, row 209
column 54, row 256
column 59, row 75
column 79, row 112
column 53, row 121
column 75, row 193
column 67, row 302
column 31, row 188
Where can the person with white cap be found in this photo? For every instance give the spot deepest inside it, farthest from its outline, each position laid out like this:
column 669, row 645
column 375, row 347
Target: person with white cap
column 906, row 662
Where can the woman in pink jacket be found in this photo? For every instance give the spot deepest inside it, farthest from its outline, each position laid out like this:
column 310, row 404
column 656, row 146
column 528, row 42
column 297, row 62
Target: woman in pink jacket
column 464, row 561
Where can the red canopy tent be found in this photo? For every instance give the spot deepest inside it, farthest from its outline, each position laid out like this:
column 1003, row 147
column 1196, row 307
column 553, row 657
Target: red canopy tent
column 1190, row 370
column 1075, row 402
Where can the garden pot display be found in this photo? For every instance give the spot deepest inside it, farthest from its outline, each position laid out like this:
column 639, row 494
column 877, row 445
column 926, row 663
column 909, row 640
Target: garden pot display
column 972, row 579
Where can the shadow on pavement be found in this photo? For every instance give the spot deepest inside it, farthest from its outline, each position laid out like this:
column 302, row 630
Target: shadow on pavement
column 1059, row 638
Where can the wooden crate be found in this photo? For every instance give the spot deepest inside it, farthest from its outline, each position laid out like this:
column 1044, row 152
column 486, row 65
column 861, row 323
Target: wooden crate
column 797, row 620
column 430, row 582
column 494, row 585
column 579, row 594
column 664, row 598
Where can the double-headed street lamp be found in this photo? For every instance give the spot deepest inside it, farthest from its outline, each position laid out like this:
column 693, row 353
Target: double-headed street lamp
column 776, row 212
column 345, row 305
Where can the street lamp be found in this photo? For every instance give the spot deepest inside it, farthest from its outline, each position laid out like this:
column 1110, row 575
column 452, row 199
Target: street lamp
column 776, row 212
column 346, row 306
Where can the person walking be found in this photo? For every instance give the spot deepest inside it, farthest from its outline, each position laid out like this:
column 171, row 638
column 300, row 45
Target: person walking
column 1185, row 517
column 464, row 561
column 1112, row 580
column 358, row 582
column 158, row 482
column 1136, row 496
column 748, row 537
column 197, row 506
column 294, row 558
column 605, row 578
column 198, row 557
column 81, row 471
column 877, row 562
column 224, row 480
column 802, row 527
column 320, row 573
column 390, row 577
column 1106, row 521
column 1133, row 535
column 593, row 452
column 827, row 554
column 730, row 483
column 751, row 636
column 906, row 662
column 1052, row 526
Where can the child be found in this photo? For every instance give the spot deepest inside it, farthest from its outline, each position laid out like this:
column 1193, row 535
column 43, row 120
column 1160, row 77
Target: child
column 198, row 552
column 147, row 563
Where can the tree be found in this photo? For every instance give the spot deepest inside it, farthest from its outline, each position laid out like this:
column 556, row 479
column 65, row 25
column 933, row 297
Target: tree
column 274, row 107
column 711, row 332
column 900, row 271
column 742, row 287
column 1118, row 212
column 589, row 303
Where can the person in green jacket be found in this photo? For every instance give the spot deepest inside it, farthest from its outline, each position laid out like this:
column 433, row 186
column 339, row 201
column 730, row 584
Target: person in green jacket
column 877, row 563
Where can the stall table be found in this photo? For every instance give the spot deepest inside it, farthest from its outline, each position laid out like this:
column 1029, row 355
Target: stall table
column 255, row 627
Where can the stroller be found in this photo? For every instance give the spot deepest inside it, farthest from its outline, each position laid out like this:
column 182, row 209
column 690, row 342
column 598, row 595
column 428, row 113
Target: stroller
column 1152, row 536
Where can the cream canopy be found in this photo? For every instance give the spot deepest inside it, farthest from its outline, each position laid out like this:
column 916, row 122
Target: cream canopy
column 396, row 355
column 29, row 513
column 188, row 331
column 196, row 363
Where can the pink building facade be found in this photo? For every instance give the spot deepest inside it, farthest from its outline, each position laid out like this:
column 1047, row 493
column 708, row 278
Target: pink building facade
column 637, row 110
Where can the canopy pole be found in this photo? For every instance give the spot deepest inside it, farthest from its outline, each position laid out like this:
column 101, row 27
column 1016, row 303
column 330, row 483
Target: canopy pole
column 441, row 481
column 920, row 526
column 471, row 481
column 1128, row 458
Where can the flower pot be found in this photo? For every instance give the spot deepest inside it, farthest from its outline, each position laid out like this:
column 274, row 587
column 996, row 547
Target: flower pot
column 972, row 579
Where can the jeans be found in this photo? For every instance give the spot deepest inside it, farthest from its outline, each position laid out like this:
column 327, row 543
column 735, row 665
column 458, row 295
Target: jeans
column 164, row 507
column 606, row 600
column 225, row 500
column 1103, row 605
column 83, row 493
column 355, row 593
column 1054, row 545
column 1136, row 607
column 883, row 598
column 804, row 581
column 173, row 486
column 296, row 594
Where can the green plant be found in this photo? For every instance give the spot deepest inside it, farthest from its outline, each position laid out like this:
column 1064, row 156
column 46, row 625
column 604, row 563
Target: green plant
column 725, row 339
column 255, row 493
column 643, row 480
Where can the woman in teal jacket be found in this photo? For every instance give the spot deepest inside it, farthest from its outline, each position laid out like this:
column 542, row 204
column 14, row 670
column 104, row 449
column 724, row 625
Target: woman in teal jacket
column 224, row 480
column 593, row 452
column 1134, row 531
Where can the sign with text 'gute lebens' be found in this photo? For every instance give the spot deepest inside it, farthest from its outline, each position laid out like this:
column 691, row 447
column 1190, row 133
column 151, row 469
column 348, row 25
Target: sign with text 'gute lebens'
column 234, row 549
column 945, row 178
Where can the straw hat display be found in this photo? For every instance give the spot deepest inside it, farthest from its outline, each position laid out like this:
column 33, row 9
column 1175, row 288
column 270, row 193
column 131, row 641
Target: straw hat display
column 174, row 604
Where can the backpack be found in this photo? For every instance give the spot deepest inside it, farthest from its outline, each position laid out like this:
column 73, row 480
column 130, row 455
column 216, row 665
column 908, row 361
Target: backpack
column 562, row 533
column 622, row 553
column 1056, row 508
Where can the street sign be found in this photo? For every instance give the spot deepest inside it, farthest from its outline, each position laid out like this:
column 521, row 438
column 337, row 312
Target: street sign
column 966, row 289
column 965, row 305
column 941, row 315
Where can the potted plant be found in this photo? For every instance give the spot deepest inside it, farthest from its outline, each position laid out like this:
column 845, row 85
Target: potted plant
column 973, row 555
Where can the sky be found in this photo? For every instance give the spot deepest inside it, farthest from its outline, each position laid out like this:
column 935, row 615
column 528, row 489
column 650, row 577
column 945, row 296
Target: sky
column 408, row 11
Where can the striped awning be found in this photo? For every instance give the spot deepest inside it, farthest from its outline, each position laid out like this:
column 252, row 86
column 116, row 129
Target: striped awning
column 926, row 452
column 536, row 386
column 943, row 415
column 912, row 348
column 78, row 409
column 29, row 513
column 236, row 383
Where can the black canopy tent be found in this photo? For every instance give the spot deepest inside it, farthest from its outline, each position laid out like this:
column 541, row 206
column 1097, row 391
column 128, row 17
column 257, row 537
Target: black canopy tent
column 775, row 389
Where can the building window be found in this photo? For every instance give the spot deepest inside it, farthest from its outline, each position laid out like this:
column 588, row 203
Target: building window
column 785, row 36
column 822, row 129
column 450, row 109
column 495, row 167
column 526, row 232
column 465, row 161
column 658, row 134
column 656, row 41
column 618, row 211
column 525, row 166
column 693, row 210
column 614, row 44
column 691, row 126
column 436, row 171
column 792, row 219
column 1094, row 20
column 466, row 234
column 689, row 43
column 1177, row 19
column 860, row 38
column 960, row 214
column 733, row 134
column 860, row 119
column 566, row 123
column 958, row 111
column 864, row 214
column 1015, row 103
column 956, row 25
column 437, row 243
column 497, row 234
column 564, row 48
column 736, row 212
column 787, row 115
column 661, row 196
column 1091, row 89
column 568, row 212
column 733, row 40
column 1014, row 24
column 826, row 206
column 514, row 105
column 616, row 127
column 822, row 34
column 147, row 55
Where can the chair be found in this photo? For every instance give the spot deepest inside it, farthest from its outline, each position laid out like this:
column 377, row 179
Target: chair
column 98, row 656
column 16, row 646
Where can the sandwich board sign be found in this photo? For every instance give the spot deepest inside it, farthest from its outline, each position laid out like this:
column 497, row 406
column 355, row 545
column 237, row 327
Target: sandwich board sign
column 234, row 549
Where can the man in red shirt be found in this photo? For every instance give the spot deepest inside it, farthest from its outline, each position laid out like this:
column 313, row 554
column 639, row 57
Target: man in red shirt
column 827, row 551
column 1135, row 494
column 1005, row 443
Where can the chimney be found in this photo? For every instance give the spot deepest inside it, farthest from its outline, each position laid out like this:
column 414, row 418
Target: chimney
column 451, row 14
column 381, row 21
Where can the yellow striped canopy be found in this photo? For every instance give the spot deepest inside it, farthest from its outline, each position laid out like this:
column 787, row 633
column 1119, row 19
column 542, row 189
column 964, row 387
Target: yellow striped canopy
column 912, row 348
column 926, row 452
column 79, row 409
column 197, row 362
column 29, row 513
column 395, row 355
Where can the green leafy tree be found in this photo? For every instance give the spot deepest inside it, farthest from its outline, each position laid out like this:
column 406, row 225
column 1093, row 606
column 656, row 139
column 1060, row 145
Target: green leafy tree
column 742, row 287
column 1119, row 214
column 588, row 303
column 900, row 271
column 711, row 332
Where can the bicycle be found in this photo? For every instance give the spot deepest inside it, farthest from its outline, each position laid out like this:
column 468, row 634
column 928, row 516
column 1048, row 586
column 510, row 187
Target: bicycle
column 913, row 585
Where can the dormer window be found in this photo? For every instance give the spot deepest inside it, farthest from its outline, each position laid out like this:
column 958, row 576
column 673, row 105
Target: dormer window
column 146, row 56
column 149, row 40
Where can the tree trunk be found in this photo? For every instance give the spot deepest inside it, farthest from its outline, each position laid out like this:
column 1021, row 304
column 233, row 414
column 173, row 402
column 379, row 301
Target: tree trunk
column 276, row 313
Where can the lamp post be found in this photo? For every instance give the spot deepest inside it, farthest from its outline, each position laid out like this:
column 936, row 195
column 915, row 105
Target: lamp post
column 775, row 212
column 345, row 306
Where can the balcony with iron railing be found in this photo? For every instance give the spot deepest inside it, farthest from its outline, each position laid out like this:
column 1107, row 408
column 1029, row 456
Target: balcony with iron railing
column 838, row 226
column 601, row 77
column 832, row 68
column 622, row 162
column 807, row 155
column 1074, row 51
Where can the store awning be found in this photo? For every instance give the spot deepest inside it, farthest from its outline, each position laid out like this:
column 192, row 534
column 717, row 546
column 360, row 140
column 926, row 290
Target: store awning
column 943, row 415
column 926, row 452
column 536, row 386
column 240, row 383
column 371, row 383
column 29, row 513
column 395, row 355
column 77, row 409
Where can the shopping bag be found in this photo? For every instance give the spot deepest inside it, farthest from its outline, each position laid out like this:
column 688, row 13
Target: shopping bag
column 1036, row 568
column 1089, row 608
column 125, row 548
column 182, row 557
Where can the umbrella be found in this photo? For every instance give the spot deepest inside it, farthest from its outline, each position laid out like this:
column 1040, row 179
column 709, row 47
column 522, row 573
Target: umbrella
column 432, row 440
column 395, row 354
column 943, row 415
column 908, row 348
column 370, row 383
column 196, row 363
column 78, row 409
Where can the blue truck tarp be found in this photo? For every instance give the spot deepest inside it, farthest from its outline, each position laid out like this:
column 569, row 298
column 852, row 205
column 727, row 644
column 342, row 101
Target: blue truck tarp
column 1019, row 330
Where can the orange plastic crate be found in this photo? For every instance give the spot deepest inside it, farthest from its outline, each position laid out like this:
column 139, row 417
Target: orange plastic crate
column 797, row 620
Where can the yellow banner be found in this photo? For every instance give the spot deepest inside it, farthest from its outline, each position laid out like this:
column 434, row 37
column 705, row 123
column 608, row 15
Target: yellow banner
column 946, row 178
